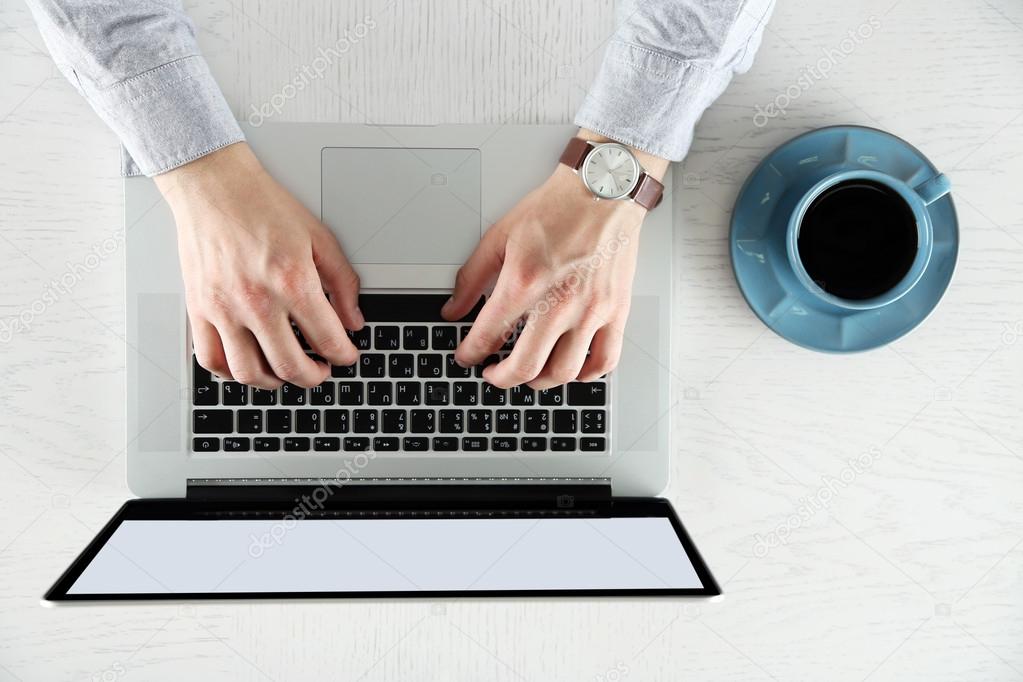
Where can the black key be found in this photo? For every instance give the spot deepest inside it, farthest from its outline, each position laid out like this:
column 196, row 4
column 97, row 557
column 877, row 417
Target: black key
column 451, row 421
column 205, row 445
column 508, row 421
column 322, row 394
column 394, row 421
column 235, row 393
column 534, row 444
column 385, row 444
column 504, row 444
column 415, row 443
column 371, row 365
column 326, row 444
column 565, row 421
column 236, row 444
column 204, row 388
column 422, row 421
column 335, row 421
column 342, row 371
column 364, row 421
column 466, row 393
column 212, row 421
column 593, row 421
column 278, row 421
column 537, row 421
column 464, row 332
column 563, row 444
column 479, row 421
column 268, row 445
column 594, row 393
column 443, row 338
column 362, row 338
column 487, row 362
column 353, row 443
column 474, row 443
column 401, row 366
column 263, row 396
column 453, row 371
column 385, row 337
column 553, row 397
column 296, row 444
column 349, row 393
column 378, row 393
column 591, row 444
column 408, row 308
column 429, row 365
column 415, row 338
column 301, row 339
column 292, row 395
column 407, row 393
column 437, row 393
column 523, row 395
column 307, row 421
column 250, row 421
column 445, row 444
column 492, row 395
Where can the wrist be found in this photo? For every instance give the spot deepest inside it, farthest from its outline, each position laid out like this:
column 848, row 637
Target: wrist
column 210, row 174
column 654, row 166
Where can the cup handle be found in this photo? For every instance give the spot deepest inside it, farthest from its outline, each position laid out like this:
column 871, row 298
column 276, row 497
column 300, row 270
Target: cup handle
column 933, row 189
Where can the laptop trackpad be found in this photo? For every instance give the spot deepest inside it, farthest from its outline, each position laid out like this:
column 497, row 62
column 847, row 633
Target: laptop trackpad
column 403, row 206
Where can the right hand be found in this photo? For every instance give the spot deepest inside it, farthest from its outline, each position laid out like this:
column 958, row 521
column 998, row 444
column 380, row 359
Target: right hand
column 254, row 259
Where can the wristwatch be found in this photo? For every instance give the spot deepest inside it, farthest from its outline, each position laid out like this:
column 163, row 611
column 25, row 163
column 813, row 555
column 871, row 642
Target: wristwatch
column 611, row 171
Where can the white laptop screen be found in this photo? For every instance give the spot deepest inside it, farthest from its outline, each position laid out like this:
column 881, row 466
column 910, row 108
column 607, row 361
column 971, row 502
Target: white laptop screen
column 172, row 549
column 388, row 555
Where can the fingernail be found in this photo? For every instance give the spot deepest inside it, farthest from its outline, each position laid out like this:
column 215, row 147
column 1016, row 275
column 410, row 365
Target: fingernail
column 359, row 317
column 448, row 303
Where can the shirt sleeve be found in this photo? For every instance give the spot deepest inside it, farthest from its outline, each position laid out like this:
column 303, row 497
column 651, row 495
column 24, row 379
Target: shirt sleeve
column 139, row 67
column 667, row 61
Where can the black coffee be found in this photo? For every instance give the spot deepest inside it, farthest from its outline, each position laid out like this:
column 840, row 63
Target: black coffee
column 858, row 239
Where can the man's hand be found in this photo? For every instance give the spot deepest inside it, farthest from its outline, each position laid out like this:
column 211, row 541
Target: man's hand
column 254, row 260
column 563, row 263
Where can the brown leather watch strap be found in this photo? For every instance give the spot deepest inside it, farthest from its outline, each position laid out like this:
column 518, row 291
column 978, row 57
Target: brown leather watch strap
column 575, row 152
column 648, row 192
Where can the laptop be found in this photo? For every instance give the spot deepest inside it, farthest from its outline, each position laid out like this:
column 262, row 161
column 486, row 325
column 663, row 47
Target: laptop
column 404, row 475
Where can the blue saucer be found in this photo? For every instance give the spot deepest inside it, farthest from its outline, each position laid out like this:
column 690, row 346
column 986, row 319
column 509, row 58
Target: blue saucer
column 759, row 234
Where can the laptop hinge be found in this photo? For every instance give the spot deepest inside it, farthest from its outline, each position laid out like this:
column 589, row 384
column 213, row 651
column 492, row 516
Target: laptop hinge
column 568, row 494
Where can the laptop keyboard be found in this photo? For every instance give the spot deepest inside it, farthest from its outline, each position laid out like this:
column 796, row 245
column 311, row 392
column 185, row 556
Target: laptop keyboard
column 405, row 395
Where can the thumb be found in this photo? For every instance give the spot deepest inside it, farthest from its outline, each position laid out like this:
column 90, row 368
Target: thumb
column 476, row 275
column 339, row 280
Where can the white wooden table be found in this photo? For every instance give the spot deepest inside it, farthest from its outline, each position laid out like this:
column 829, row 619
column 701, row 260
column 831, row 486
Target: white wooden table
column 909, row 568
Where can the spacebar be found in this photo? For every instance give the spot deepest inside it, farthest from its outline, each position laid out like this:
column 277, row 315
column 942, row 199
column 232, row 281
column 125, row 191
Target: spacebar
column 408, row 308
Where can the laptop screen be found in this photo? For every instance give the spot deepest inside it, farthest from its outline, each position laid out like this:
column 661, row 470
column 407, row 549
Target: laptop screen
column 213, row 557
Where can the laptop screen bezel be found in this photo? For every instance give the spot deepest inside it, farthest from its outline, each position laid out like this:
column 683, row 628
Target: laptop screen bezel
column 184, row 509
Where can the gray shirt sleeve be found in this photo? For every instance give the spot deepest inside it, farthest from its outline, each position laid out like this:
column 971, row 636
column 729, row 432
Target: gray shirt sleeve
column 138, row 65
column 666, row 63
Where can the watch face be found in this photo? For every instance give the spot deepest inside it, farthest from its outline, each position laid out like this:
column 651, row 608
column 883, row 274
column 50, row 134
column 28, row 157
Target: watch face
column 610, row 171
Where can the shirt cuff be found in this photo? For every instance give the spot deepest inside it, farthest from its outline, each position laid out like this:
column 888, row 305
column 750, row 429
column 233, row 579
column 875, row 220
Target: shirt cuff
column 649, row 100
column 167, row 116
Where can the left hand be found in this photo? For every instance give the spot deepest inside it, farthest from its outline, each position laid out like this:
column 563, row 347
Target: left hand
column 563, row 263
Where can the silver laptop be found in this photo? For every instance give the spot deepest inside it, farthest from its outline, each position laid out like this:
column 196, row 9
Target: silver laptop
column 404, row 475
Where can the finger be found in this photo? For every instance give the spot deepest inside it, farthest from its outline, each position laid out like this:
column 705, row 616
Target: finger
column 528, row 357
column 245, row 359
column 605, row 349
column 323, row 330
column 566, row 359
column 284, row 354
column 476, row 275
column 494, row 324
column 339, row 280
column 209, row 351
